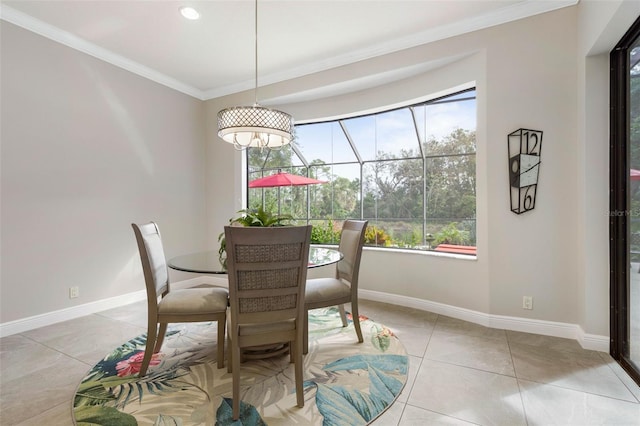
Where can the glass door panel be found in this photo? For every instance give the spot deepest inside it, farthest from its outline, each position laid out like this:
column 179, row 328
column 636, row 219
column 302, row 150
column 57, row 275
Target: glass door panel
column 625, row 202
column 633, row 130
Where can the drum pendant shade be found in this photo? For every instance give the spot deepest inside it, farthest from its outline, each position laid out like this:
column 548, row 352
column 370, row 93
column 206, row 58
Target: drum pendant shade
column 255, row 126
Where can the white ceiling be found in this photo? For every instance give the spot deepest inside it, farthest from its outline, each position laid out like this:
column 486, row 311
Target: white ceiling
column 215, row 55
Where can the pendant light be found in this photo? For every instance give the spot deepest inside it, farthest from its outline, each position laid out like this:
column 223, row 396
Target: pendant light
column 255, row 126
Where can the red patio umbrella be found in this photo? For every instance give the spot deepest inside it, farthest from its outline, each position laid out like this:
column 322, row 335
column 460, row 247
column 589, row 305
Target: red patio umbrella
column 634, row 174
column 283, row 179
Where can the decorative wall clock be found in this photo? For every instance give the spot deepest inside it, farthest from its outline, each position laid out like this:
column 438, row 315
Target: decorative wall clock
column 525, row 146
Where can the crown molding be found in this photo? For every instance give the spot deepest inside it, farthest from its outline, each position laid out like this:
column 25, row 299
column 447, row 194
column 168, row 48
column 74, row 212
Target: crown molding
column 63, row 37
column 512, row 13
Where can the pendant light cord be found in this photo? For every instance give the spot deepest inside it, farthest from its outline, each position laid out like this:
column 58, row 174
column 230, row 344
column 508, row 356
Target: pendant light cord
column 256, row 52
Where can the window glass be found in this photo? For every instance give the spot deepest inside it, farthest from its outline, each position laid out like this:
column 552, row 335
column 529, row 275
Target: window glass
column 262, row 162
column 339, row 198
column 362, row 131
column 285, row 200
column 410, row 171
column 324, row 142
column 451, row 198
column 396, row 136
column 438, row 121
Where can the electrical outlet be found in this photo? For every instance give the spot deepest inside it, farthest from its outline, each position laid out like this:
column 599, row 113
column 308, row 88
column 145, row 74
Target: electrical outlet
column 527, row 302
column 74, row 292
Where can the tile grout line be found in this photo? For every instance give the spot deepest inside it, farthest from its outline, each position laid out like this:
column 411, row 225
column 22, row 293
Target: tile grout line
column 55, row 350
column 65, row 355
column 620, row 378
column 422, row 358
column 571, row 389
column 515, row 375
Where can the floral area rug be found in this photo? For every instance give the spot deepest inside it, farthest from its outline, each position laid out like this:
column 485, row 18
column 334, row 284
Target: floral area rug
column 346, row 383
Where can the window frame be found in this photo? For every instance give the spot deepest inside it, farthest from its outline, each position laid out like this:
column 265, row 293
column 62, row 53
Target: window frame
column 458, row 96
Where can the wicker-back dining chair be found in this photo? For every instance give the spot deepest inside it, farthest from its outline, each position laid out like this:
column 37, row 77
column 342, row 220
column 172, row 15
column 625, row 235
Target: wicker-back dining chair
column 343, row 287
column 267, row 270
column 173, row 306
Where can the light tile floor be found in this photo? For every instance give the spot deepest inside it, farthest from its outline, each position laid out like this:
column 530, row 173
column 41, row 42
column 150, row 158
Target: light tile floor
column 460, row 373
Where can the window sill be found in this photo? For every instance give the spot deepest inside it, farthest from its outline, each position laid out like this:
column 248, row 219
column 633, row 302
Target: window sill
column 412, row 252
column 423, row 252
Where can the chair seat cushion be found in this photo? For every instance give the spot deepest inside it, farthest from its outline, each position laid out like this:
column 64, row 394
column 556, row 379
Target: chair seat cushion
column 325, row 289
column 190, row 301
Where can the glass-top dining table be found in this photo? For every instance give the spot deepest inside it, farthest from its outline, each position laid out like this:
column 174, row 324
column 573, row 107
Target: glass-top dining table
column 208, row 262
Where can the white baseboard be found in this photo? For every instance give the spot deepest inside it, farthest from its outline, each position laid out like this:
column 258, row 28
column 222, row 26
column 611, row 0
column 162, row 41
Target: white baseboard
column 593, row 342
column 546, row 328
column 37, row 321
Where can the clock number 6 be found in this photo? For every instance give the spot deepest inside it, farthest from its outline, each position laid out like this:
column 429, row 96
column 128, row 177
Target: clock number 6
column 527, row 201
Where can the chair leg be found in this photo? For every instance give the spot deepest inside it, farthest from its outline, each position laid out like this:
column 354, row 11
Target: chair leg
column 229, row 355
column 296, row 349
column 305, row 333
column 148, row 350
column 356, row 319
column 235, row 361
column 221, row 337
column 160, row 340
column 343, row 315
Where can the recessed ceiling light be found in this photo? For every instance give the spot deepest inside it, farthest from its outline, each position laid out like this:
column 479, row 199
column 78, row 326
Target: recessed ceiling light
column 189, row 12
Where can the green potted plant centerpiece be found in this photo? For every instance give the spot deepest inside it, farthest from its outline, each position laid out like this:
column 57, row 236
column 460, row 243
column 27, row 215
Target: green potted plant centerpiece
column 252, row 217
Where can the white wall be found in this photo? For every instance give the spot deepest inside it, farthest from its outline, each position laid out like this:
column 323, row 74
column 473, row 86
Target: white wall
column 601, row 24
column 87, row 149
column 525, row 77
column 532, row 73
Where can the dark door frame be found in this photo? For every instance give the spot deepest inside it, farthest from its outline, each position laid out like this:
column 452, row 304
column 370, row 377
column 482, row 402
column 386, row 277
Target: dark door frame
column 618, row 201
